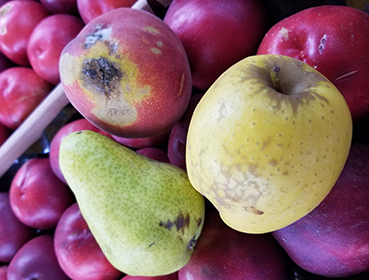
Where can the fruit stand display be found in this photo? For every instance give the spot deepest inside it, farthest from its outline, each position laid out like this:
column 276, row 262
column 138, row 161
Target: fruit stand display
column 184, row 139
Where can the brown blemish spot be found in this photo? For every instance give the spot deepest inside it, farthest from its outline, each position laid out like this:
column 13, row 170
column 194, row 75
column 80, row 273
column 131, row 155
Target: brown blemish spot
column 102, row 75
column 253, row 210
column 191, row 245
column 180, row 223
column 273, row 162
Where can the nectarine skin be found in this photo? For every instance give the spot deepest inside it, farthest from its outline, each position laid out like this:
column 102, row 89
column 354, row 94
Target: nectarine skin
column 127, row 73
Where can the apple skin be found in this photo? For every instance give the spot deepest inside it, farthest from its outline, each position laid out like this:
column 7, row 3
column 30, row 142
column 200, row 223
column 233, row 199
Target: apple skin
column 76, row 125
column 217, row 33
column 154, row 153
column 3, row 272
column 14, row 233
column 89, row 10
column 227, row 254
column 172, row 276
column 178, row 135
column 139, row 143
column 13, row 42
column 259, row 143
column 36, row 260
column 77, row 251
column 144, row 83
column 332, row 39
column 21, row 91
column 47, row 41
column 4, row 133
column 332, row 240
column 37, row 197
column 61, row 6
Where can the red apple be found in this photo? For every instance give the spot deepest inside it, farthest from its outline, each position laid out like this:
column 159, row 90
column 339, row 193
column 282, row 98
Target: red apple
column 332, row 240
column 77, row 125
column 154, row 153
column 217, row 33
column 224, row 253
column 5, row 63
column 332, row 39
column 4, row 272
column 36, row 260
column 37, row 197
column 89, row 10
column 21, row 91
column 131, row 77
column 14, row 234
column 61, row 6
column 77, row 251
column 17, row 21
column 172, row 276
column 139, row 143
column 4, row 133
column 178, row 135
column 47, row 42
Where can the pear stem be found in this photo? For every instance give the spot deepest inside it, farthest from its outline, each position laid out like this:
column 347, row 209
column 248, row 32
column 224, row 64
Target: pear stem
column 275, row 76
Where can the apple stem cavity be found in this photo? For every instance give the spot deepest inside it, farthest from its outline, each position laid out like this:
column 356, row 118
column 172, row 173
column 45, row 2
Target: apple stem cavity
column 275, row 76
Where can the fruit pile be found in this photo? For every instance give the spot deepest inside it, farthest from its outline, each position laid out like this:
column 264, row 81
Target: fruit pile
column 204, row 139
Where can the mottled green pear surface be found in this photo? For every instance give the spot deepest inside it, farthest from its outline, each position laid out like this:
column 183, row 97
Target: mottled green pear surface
column 145, row 214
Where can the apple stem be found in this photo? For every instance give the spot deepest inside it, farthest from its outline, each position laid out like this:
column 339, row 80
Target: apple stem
column 275, row 76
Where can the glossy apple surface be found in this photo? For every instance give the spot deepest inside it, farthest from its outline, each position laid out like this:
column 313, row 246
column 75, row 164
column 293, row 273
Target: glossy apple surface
column 332, row 39
column 131, row 77
column 77, row 125
column 47, row 42
column 223, row 253
column 37, row 197
column 15, row 32
column 77, row 251
column 21, row 91
column 14, row 233
column 217, row 33
column 270, row 132
column 89, row 10
column 36, row 260
column 332, row 240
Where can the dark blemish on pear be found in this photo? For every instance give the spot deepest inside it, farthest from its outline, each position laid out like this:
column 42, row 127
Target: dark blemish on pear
column 151, row 244
column 191, row 245
column 101, row 75
column 180, row 223
column 253, row 210
column 79, row 132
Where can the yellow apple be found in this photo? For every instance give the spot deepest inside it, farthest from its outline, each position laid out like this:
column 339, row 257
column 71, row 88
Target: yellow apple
column 267, row 142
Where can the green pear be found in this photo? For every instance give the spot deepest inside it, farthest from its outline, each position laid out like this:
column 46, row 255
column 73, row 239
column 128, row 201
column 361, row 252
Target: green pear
column 144, row 214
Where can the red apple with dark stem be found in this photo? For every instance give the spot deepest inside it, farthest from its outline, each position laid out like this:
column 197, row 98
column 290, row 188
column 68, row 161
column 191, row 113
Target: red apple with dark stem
column 37, row 197
column 92, row 9
column 131, row 77
column 14, row 233
column 21, row 91
column 224, row 253
column 332, row 240
column 332, row 39
column 77, row 125
column 15, row 32
column 36, row 260
column 47, row 42
column 77, row 251
column 217, row 34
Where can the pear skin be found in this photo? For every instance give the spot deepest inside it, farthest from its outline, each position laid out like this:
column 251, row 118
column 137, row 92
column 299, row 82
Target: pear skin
column 144, row 214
